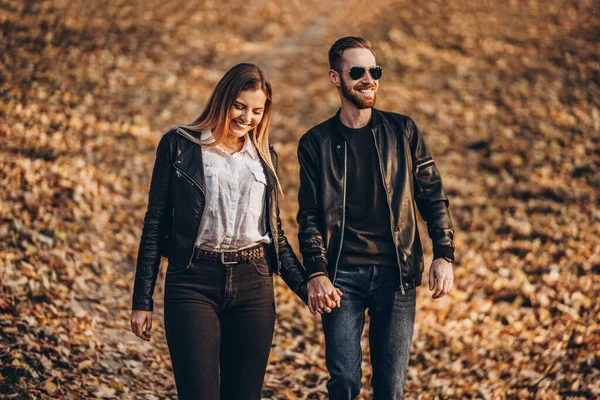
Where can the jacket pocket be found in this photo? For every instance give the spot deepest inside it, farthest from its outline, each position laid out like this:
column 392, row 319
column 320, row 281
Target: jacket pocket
column 419, row 170
column 165, row 241
column 182, row 176
column 421, row 165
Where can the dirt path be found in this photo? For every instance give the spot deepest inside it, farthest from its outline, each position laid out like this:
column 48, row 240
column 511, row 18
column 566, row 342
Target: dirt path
column 506, row 95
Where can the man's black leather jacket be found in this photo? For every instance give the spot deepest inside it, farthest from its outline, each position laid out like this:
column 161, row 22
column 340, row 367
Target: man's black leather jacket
column 175, row 207
column 409, row 175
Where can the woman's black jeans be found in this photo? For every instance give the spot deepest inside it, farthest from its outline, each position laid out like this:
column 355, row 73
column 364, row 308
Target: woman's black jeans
column 219, row 321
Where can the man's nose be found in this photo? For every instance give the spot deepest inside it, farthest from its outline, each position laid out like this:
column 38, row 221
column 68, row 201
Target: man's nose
column 367, row 78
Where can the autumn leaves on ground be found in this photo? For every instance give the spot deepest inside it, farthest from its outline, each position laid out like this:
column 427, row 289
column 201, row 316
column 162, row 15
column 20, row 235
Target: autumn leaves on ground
column 506, row 93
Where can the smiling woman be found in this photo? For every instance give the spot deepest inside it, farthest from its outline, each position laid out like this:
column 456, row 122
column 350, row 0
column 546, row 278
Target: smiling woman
column 246, row 113
column 213, row 211
column 231, row 114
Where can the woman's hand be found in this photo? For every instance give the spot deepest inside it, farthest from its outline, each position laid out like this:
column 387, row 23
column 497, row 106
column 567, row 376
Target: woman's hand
column 322, row 295
column 141, row 323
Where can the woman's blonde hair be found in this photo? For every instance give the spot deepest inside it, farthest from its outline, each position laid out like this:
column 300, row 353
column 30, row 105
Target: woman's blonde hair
column 215, row 115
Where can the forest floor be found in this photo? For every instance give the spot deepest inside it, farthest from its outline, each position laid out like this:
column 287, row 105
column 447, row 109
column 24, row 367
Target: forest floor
column 507, row 95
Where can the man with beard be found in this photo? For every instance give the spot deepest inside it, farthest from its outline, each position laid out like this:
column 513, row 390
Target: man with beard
column 362, row 172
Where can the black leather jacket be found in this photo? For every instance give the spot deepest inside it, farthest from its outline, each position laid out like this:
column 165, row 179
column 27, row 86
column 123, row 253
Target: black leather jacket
column 409, row 175
column 175, row 206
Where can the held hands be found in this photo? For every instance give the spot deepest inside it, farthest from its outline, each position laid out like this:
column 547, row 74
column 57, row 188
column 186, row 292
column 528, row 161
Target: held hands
column 141, row 324
column 322, row 295
column 441, row 277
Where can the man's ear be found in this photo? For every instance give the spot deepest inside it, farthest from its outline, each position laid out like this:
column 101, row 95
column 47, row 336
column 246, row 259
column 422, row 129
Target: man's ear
column 334, row 77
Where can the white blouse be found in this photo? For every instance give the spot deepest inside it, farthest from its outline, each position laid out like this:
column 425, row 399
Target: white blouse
column 234, row 211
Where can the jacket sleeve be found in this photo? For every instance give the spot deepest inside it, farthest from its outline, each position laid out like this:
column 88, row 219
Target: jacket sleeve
column 156, row 226
column 430, row 196
column 291, row 270
column 310, row 237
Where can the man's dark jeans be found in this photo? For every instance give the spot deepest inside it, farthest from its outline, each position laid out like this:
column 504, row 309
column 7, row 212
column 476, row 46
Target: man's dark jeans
column 219, row 321
column 392, row 318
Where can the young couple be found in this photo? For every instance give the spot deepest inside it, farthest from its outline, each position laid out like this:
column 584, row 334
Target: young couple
column 213, row 212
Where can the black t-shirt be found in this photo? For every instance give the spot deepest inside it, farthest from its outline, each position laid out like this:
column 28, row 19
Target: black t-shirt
column 367, row 234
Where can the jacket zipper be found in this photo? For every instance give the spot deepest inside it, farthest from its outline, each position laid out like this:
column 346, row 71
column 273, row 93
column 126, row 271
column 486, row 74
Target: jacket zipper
column 337, row 260
column 424, row 164
column 390, row 208
column 180, row 172
column 274, row 231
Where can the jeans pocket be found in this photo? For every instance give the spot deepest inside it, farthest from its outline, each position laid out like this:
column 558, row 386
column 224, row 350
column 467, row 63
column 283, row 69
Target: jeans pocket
column 261, row 267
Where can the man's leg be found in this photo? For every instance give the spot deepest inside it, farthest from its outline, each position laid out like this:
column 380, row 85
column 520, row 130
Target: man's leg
column 390, row 335
column 343, row 328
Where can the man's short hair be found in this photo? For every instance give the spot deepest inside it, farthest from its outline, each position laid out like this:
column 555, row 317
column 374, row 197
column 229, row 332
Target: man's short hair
column 349, row 42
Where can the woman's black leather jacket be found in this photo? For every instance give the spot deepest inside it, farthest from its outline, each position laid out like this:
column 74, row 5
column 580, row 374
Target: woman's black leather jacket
column 175, row 206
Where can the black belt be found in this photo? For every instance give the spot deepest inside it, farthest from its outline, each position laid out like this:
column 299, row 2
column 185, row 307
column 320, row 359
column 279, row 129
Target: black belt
column 230, row 257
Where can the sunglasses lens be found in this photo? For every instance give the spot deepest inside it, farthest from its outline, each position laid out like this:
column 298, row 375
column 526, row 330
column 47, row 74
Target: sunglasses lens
column 357, row 72
column 375, row 72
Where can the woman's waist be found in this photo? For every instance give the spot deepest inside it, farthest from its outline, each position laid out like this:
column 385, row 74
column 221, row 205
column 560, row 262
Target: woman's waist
column 247, row 253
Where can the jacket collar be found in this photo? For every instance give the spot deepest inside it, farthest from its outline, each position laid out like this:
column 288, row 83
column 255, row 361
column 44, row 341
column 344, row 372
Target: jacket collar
column 376, row 117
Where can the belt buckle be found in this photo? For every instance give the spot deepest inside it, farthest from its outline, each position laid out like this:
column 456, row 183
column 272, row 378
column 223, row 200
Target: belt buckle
column 226, row 262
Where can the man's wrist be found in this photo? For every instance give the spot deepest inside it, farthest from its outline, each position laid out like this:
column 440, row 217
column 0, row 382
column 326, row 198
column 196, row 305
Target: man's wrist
column 315, row 266
column 317, row 274
column 445, row 252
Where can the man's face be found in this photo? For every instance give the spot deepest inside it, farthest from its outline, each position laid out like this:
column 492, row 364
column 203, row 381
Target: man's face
column 362, row 92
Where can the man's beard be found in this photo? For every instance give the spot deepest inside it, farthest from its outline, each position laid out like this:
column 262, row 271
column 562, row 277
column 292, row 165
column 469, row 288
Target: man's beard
column 354, row 97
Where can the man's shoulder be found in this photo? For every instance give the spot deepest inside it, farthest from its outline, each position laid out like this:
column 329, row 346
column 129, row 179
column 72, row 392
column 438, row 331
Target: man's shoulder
column 318, row 132
column 395, row 117
column 399, row 122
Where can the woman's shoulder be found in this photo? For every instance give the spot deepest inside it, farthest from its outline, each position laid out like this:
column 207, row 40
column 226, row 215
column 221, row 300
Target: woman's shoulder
column 174, row 141
column 182, row 131
column 171, row 134
column 180, row 134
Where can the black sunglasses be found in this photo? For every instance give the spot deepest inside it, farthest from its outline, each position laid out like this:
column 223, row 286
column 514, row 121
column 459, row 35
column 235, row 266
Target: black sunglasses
column 359, row 72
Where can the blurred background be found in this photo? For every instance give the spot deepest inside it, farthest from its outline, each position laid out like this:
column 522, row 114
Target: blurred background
column 505, row 92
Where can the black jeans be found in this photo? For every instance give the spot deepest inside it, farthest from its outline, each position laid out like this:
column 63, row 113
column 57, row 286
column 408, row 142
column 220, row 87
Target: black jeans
column 219, row 321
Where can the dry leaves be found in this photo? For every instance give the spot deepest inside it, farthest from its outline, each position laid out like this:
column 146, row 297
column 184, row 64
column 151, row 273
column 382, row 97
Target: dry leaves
column 506, row 94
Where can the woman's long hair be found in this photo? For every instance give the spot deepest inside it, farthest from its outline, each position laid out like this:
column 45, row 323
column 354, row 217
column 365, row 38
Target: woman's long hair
column 215, row 115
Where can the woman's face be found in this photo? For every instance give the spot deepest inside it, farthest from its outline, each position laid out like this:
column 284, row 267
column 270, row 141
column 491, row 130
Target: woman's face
column 247, row 112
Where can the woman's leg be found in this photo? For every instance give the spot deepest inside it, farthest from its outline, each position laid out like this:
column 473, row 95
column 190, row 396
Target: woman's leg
column 192, row 302
column 193, row 338
column 247, row 324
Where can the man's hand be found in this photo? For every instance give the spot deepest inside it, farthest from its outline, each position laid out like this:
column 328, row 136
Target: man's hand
column 441, row 277
column 141, row 324
column 322, row 295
